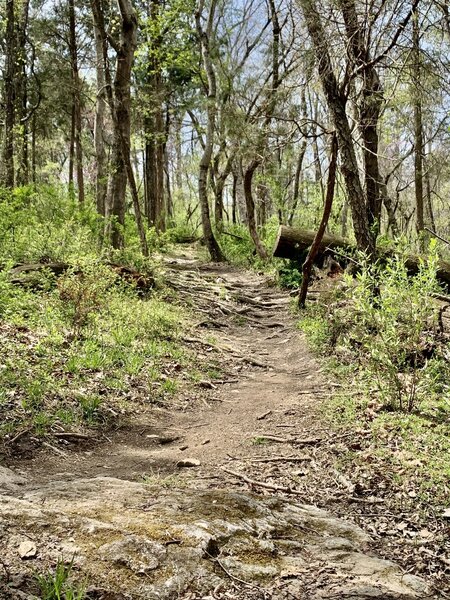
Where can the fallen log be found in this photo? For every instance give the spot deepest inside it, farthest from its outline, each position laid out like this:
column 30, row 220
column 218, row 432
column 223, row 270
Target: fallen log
column 30, row 275
column 293, row 243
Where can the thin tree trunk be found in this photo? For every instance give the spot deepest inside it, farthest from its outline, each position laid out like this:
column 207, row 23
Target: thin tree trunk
column 120, row 102
column 9, row 98
column 22, row 96
column 239, row 191
column 308, row 264
column 33, row 149
column 297, row 182
column 99, row 125
column 251, row 213
column 429, row 200
column 418, row 131
column 72, row 154
column 221, row 179
column 205, row 162
column 257, row 160
column 234, row 200
column 369, row 109
column 76, row 99
column 337, row 105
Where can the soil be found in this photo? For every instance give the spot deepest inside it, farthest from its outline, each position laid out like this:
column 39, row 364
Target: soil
column 256, row 425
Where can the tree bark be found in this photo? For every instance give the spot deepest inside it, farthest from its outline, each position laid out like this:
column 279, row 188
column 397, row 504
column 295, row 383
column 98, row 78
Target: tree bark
column 155, row 131
column 99, row 125
column 262, row 142
column 205, row 162
column 337, row 105
column 251, row 212
column 119, row 97
column 369, row 109
column 22, row 96
column 9, row 99
column 76, row 101
column 418, row 130
column 292, row 243
column 315, row 247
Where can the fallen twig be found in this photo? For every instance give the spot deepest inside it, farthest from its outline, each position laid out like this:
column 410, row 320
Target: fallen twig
column 234, row 577
column 263, row 484
column 54, row 449
column 284, row 440
column 264, row 415
column 71, row 434
column 282, row 459
column 19, row 435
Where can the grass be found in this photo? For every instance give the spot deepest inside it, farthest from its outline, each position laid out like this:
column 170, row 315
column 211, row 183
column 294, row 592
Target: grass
column 62, row 369
column 79, row 350
column 411, row 446
column 57, row 584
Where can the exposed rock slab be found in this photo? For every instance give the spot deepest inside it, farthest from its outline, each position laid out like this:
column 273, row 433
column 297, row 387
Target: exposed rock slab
column 143, row 542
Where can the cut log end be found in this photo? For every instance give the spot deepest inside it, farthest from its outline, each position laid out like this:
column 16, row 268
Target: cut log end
column 292, row 243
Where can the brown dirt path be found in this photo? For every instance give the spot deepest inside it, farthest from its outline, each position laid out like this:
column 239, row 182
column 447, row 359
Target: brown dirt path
column 267, row 370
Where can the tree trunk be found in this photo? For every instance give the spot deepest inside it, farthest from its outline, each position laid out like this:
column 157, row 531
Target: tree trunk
column 337, row 105
column 9, row 98
column 22, row 96
column 315, row 247
column 251, row 213
column 239, row 191
column 155, row 130
column 293, row 243
column 205, row 162
column 76, row 101
column 369, row 109
column 99, row 125
column 297, row 182
column 221, row 179
column 418, row 131
column 72, row 153
column 33, row 149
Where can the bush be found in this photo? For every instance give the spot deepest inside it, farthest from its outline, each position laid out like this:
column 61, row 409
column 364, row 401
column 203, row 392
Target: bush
column 391, row 325
column 385, row 320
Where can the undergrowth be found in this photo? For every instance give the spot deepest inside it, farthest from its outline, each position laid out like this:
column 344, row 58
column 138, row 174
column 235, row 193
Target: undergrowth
column 86, row 347
column 380, row 334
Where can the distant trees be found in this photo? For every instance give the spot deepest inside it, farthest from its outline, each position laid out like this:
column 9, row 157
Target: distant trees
column 218, row 113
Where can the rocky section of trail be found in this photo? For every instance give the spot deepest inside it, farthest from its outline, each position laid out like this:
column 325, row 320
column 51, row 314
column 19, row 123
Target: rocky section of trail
column 141, row 541
column 211, row 500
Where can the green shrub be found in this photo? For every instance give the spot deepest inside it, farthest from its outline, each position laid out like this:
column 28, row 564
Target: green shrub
column 388, row 324
column 290, row 274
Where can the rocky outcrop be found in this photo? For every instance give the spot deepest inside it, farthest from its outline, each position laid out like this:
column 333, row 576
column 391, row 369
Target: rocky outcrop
column 132, row 541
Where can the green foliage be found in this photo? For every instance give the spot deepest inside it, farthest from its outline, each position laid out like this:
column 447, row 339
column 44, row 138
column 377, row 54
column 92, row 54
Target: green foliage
column 290, row 274
column 57, row 585
column 44, row 224
column 393, row 321
column 68, row 350
column 239, row 248
column 83, row 292
column 385, row 322
column 317, row 329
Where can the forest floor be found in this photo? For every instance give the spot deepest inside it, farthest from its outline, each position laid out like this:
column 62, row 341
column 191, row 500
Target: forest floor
column 254, row 424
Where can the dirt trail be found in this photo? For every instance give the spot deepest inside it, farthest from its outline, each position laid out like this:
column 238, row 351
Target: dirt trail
column 259, row 421
column 267, row 371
